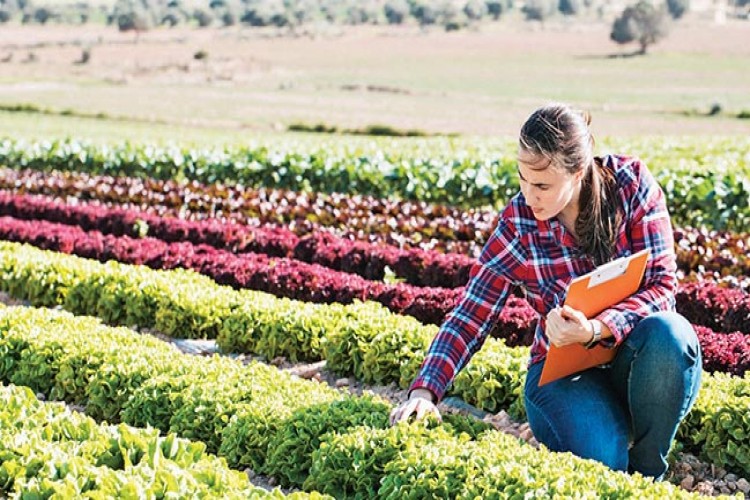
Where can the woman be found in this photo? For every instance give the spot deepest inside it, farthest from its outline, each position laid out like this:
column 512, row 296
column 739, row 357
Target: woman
column 575, row 212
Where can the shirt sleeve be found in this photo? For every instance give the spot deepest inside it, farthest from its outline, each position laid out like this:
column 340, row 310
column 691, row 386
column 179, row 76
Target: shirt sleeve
column 649, row 227
column 501, row 263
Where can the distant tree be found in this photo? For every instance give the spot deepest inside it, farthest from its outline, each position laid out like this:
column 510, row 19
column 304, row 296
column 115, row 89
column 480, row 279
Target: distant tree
column 136, row 20
column 363, row 12
column 229, row 17
column 170, row 19
column 451, row 15
column 5, row 15
column 396, row 11
column 425, row 13
column 42, row 15
column 204, row 17
column 475, row 10
column 266, row 13
column 570, row 7
column 642, row 23
column 497, row 8
column 677, row 8
column 302, row 11
column 539, row 10
column 133, row 15
column 329, row 12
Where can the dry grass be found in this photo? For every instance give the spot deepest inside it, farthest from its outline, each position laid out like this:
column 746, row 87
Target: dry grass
column 475, row 83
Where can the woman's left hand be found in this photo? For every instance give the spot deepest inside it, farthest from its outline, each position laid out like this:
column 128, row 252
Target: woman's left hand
column 566, row 325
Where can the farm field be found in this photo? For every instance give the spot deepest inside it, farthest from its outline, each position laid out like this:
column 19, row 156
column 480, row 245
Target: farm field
column 197, row 302
column 268, row 278
column 471, row 83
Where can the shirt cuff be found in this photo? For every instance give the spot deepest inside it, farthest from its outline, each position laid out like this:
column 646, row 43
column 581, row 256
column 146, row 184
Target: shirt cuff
column 437, row 390
column 617, row 324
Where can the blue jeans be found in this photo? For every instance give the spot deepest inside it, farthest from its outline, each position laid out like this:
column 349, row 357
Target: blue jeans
column 626, row 414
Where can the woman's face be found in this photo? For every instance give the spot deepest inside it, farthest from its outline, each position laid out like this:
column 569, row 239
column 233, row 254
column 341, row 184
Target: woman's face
column 549, row 191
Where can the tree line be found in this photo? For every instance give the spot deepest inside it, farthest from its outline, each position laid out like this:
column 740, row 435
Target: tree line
column 644, row 22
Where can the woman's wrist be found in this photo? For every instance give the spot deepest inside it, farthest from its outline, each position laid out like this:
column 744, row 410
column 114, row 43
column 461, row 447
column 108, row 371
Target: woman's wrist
column 423, row 393
column 596, row 334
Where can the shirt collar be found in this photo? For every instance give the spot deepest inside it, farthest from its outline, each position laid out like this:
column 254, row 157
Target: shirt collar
column 552, row 227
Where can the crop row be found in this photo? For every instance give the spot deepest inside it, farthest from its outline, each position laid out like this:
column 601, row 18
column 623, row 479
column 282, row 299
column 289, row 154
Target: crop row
column 401, row 223
column 404, row 224
column 279, row 276
column 463, row 180
column 704, row 304
column 298, row 431
column 417, row 267
column 363, row 340
column 48, row 451
column 721, row 257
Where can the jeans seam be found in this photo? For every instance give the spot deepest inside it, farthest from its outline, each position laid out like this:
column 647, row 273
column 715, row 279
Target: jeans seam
column 628, row 388
column 683, row 408
column 549, row 424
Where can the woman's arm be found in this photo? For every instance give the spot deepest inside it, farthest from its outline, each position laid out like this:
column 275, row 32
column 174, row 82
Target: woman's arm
column 462, row 334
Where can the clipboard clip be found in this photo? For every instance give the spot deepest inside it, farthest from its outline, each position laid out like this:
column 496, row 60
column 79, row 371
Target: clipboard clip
column 608, row 272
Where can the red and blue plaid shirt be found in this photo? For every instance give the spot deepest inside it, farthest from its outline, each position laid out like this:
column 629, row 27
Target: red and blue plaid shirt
column 542, row 257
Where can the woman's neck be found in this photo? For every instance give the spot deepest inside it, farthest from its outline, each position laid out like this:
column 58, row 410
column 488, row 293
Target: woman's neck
column 569, row 215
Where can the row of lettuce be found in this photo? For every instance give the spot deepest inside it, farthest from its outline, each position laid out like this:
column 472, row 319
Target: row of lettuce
column 704, row 304
column 301, row 432
column 390, row 221
column 282, row 277
column 398, row 223
column 460, row 178
column 49, row 451
column 362, row 340
column 697, row 251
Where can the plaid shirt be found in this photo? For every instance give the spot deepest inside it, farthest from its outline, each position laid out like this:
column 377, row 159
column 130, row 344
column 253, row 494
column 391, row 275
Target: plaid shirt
column 542, row 258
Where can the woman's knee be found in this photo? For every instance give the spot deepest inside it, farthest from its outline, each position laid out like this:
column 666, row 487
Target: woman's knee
column 668, row 332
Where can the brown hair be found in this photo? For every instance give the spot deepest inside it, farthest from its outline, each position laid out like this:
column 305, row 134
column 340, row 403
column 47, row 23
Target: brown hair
column 561, row 135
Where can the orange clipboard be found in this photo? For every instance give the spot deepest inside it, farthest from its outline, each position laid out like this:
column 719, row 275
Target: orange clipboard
column 591, row 294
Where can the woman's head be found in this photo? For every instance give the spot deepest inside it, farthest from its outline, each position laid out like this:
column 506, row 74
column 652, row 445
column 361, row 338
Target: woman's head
column 560, row 177
column 555, row 151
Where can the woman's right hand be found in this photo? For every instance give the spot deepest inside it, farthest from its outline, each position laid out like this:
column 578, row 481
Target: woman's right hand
column 419, row 402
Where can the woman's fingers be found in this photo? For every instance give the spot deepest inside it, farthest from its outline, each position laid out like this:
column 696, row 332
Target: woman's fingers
column 400, row 412
column 424, row 408
column 420, row 406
